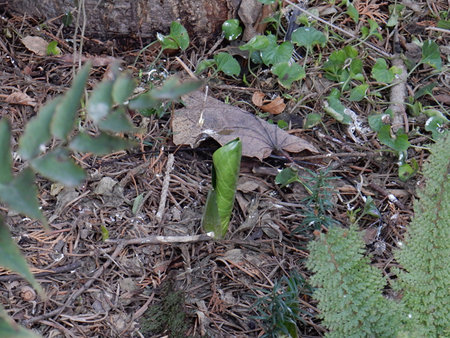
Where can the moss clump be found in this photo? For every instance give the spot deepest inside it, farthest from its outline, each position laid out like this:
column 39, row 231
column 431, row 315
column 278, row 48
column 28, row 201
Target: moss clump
column 168, row 317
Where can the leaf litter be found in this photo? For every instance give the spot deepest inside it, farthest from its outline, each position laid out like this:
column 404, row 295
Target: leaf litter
column 204, row 117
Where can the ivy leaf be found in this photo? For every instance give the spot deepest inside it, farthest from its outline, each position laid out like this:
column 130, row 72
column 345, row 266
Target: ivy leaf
column 286, row 177
column 52, row 48
column 287, row 73
column 308, row 37
column 12, row 259
column 359, row 92
column 231, row 29
column 5, row 152
column 275, row 53
column 399, row 143
column 227, row 64
column 258, row 42
column 381, row 73
column 226, row 165
column 66, row 111
column 20, row 194
column 431, row 54
column 312, row 120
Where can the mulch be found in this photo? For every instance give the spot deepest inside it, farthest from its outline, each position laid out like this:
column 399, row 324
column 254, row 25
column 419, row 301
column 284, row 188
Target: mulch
column 109, row 288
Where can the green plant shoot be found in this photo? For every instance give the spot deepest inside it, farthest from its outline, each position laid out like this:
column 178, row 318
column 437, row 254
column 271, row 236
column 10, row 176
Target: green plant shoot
column 219, row 204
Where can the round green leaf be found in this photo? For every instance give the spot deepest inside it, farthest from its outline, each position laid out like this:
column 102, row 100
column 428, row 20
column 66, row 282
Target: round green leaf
column 231, row 29
column 258, row 42
column 227, row 63
column 308, row 37
column 288, row 73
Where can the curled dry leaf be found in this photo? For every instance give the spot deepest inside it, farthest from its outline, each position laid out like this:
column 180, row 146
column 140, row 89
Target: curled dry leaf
column 20, row 98
column 36, row 44
column 207, row 117
column 275, row 106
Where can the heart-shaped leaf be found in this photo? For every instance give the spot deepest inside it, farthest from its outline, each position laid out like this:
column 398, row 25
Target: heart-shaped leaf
column 399, row 142
column 231, row 29
column 308, row 37
column 258, row 42
column 359, row 92
column 288, row 73
column 275, row 53
column 227, row 63
column 431, row 54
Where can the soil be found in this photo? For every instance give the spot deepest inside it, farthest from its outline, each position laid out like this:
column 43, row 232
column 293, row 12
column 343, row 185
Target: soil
column 125, row 287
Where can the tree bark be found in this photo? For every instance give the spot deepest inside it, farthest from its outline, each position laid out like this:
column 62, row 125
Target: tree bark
column 136, row 18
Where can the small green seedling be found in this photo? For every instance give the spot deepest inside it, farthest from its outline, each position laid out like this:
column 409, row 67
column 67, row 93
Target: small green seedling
column 231, row 29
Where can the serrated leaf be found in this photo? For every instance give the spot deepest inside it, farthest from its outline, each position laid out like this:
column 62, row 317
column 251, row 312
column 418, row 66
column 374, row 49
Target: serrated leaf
column 308, row 37
column 5, row 152
column 287, row 73
column 431, row 54
column 275, row 53
column 66, row 111
column 100, row 101
column 37, row 131
column 172, row 89
column 381, row 73
column 220, row 202
column 231, row 29
column 359, row 92
column 12, row 259
column 227, row 64
column 21, row 195
column 57, row 165
column 117, row 122
column 123, row 87
column 101, row 145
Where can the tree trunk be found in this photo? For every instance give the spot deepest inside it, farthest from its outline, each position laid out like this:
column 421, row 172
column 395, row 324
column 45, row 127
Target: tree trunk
column 136, row 18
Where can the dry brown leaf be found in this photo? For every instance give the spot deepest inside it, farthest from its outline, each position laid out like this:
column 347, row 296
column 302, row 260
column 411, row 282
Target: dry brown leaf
column 208, row 117
column 35, row 44
column 20, row 98
column 275, row 107
column 258, row 98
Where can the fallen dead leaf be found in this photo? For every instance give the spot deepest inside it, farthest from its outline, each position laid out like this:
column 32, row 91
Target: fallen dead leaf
column 35, row 44
column 274, row 107
column 207, row 117
column 20, row 98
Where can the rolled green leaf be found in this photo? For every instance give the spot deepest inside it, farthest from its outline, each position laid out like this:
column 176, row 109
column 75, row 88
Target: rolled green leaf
column 219, row 204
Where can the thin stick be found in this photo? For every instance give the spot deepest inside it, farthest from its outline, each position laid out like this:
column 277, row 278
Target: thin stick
column 165, row 188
